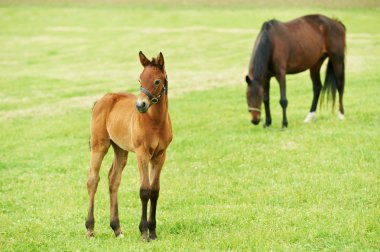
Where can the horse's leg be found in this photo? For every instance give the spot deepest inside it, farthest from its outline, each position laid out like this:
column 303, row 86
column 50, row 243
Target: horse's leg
column 317, row 86
column 280, row 76
column 98, row 151
column 157, row 163
column 268, row 118
column 143, row 164
column 114, row 178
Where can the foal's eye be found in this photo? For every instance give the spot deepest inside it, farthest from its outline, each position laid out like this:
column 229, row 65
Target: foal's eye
column 139, row 80
column 157, row 82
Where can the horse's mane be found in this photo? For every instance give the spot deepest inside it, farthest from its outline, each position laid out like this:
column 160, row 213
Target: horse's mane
column 262, row 51
column 339, row 22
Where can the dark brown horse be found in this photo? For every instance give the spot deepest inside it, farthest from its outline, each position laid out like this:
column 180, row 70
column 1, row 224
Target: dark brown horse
column 292, row 47
column 138, row 124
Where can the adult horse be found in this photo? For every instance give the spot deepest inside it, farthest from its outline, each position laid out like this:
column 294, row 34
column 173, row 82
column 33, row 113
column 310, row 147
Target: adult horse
column 292, row 47
column 138, row 124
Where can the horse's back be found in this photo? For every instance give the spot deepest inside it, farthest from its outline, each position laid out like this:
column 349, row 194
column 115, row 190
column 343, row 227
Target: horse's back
column 332, row 31
column 297, row 45
column 300, row 43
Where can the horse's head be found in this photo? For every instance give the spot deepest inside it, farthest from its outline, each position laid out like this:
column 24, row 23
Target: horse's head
column 153, row 82
column 254, row 99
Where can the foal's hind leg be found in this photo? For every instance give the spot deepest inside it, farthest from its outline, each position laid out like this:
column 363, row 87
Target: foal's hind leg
column 157, row 163
column 99, row 149
column 317, row 86
column 114, row 178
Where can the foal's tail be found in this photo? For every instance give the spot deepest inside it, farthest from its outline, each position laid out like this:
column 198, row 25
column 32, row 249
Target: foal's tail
column 330, row 85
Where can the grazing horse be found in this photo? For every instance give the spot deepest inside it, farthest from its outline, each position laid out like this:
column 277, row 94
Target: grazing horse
column 139, row 124
column 292, row 47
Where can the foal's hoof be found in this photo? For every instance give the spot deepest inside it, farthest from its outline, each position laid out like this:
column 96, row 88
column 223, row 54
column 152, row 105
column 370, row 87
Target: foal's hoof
column 90, row 234
column 118, row 233
column 144, row 236
column 152, row 235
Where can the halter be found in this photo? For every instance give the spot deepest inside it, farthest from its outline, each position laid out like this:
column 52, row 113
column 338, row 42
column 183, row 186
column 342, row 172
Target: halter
column 251, row 109
column 154, row 99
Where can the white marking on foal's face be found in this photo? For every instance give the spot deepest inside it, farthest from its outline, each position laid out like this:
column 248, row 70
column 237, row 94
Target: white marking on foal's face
column 142, row 104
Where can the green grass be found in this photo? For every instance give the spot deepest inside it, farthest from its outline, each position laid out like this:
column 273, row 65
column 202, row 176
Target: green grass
column 226, row 185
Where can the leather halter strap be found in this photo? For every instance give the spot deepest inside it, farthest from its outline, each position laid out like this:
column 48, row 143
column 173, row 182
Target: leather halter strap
column 251, row 109
column 154, row 99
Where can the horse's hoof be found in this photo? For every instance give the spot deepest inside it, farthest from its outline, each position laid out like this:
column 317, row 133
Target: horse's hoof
column 120, row 235
column 340, row 116
column 309, row 117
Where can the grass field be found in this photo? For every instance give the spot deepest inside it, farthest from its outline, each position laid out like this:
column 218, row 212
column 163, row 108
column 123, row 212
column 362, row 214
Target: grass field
column 226, row 185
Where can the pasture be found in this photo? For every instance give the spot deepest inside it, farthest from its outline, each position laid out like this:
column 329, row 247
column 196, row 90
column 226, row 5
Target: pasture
column 226, row 184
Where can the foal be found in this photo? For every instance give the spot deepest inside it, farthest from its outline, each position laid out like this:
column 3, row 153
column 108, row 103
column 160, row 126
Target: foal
column 138, row 124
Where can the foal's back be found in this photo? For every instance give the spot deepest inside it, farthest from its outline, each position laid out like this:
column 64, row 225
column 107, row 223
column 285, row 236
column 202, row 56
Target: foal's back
column 112, row 119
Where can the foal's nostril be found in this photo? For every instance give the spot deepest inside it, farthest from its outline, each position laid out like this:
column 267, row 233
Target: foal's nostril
column 141, row 106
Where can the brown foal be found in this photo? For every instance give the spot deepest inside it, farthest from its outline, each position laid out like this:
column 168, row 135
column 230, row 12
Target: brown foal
column 138, row 124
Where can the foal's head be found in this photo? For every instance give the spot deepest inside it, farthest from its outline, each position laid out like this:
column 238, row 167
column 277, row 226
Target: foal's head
column 153, row 82
column 254, row 99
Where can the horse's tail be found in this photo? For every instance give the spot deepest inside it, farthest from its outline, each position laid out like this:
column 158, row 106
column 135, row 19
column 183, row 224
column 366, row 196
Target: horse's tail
column 330, row 85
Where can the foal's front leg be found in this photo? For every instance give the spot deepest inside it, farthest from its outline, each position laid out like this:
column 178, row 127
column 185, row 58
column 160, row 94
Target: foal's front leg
column 157, row 163
column 143, row 164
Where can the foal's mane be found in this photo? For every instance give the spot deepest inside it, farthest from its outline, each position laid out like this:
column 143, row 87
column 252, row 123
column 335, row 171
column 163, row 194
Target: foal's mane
column 154, row 63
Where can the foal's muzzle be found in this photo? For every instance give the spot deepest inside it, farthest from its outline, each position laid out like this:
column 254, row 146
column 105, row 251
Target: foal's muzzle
column 142, row 106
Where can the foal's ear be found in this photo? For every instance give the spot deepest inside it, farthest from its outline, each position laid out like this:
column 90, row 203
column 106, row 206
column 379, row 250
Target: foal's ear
column 248, row 80
column 143, row 59
column 160, row 59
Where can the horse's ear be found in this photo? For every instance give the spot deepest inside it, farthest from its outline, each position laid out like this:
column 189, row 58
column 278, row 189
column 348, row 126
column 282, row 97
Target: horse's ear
column 143, row 59
column 248, row 80
column 160, row 59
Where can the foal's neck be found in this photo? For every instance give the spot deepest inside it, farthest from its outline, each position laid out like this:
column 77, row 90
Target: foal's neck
column 158, row 113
